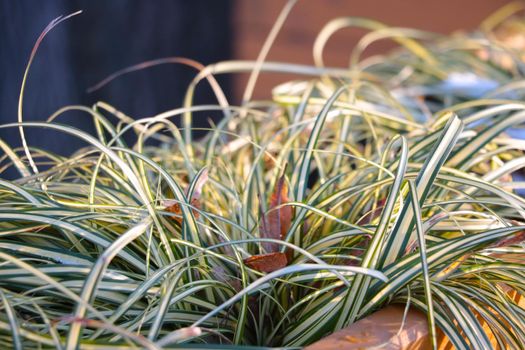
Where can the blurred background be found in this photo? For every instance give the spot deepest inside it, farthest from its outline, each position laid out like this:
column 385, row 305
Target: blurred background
column 111, row 35
column 106, row 37
column 253, row 19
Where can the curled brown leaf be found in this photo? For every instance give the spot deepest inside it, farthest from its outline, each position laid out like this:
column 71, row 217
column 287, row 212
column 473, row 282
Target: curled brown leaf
column 175, row 207
column 276, row 222
column 267, row 262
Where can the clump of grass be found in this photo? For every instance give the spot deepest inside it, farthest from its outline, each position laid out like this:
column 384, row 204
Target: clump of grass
column 387, row 182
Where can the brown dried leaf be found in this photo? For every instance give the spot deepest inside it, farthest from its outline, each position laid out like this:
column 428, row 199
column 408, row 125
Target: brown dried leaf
column 175, row 208
column 276, row 223
column 267, row 262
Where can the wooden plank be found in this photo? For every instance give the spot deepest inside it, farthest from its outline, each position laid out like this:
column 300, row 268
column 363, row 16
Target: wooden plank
column 385, row 329
column 382, row 327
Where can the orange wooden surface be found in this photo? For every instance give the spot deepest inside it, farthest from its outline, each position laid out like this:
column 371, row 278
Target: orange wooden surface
column 385, row 328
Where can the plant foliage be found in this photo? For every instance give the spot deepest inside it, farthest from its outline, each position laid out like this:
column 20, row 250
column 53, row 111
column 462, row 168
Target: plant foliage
column 392, row 181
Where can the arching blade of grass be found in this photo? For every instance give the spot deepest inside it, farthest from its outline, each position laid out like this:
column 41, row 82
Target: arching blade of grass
column 357, row 293
column 424, row 264
column 285, row 271
column 48, row 28
column 91, row 282
column 300, row 177
column 401, row 234
column 13, row 323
